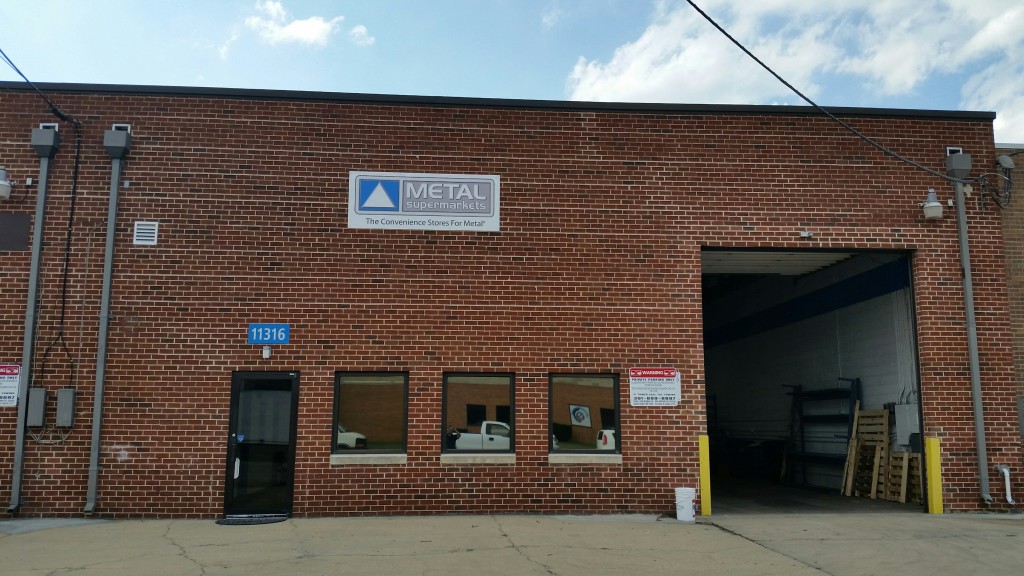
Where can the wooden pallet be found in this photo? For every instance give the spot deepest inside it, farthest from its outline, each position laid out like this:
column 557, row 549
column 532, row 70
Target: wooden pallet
column 873, row 427
column 897, row 477
column 851, row 453
column 867, row 462
column 869, row 477
column 915, row 481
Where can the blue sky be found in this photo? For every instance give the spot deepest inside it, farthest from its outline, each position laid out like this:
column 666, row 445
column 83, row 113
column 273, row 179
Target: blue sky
column 920, row 54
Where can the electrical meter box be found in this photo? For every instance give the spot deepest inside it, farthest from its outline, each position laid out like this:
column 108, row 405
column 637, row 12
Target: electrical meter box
column 35, row 415
column 65, row 407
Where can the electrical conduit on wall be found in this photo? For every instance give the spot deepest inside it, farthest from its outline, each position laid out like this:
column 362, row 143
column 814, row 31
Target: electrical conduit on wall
column 45, row 141
column 959, row 166
column 117, row 143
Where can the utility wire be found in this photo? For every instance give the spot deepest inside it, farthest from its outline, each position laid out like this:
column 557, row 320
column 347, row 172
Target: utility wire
column 856, row 132
column 77, row 124
column 53, row 107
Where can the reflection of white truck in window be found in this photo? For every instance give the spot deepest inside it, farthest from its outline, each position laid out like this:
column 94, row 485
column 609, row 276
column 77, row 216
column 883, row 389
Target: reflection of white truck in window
column 492, row 436
column 349, row 440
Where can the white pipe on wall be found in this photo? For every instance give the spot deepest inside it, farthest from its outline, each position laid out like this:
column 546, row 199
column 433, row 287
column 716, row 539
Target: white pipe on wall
column 1005, row 471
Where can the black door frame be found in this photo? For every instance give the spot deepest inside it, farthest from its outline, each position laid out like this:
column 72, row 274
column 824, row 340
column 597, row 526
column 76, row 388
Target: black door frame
column 237, row 379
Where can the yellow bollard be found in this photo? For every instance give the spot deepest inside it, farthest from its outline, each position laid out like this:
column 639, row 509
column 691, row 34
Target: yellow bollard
column 705, row 475
column 933, row 466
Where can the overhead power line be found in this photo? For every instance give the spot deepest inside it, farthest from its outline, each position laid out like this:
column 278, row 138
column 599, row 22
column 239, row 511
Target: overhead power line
column 858, row 133
column 53, row 107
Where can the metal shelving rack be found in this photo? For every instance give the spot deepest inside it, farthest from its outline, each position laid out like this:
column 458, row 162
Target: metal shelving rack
column 821, row 423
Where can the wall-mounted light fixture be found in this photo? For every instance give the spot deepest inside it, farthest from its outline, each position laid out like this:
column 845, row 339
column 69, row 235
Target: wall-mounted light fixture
column 931, row 207
column 5, row 184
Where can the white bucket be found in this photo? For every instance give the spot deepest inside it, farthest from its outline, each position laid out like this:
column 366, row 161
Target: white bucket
column 685, row 504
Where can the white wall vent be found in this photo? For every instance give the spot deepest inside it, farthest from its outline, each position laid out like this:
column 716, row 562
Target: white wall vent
column 145, row 233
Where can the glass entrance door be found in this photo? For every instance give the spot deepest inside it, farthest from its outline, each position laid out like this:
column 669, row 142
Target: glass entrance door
column 261, row 444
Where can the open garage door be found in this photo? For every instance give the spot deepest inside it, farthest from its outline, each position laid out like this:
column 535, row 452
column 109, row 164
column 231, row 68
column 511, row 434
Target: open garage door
column 800, row 348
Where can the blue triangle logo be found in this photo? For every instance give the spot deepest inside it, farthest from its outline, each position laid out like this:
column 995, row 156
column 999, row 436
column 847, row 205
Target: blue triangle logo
column 378, row 195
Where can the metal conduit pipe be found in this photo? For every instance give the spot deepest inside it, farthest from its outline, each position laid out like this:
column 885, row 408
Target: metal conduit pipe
column 959, row 166
column 117, row 142
column 45, row 141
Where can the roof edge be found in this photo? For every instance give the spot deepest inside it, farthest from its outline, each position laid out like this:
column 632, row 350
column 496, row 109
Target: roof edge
column 468, row 102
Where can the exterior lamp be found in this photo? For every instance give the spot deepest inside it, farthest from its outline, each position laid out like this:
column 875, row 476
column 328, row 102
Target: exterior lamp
column 5, row 184
column 931, row 206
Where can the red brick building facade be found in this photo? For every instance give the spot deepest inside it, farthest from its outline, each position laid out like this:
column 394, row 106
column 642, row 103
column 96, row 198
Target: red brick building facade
column 605, row 211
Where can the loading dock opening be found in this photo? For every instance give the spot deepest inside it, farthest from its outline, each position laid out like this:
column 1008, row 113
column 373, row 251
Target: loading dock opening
column 798, row 343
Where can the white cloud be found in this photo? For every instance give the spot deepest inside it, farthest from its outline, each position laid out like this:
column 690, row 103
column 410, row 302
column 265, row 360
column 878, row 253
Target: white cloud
column 550, row 17
column 275, row 26
column 360, row 36
column 889, row 48
column 682, row 58
column 225, row 48
column 899, row 44
column 1000, row 87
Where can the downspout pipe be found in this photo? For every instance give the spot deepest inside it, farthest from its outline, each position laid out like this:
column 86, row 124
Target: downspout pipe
column 45, row 141
column 959, row 166
column 117, row 142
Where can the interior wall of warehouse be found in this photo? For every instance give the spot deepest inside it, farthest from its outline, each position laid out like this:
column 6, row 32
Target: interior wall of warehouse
column 862, row 335
column 596, row 269
column 869, row 340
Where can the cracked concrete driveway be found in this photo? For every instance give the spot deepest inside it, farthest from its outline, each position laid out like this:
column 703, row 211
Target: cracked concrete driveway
column 793, row 544
column 448, row 545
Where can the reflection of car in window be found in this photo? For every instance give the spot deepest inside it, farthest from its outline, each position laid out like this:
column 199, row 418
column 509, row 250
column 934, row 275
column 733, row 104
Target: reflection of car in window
column 349, row 440
column 606, row 440
column 492, row 436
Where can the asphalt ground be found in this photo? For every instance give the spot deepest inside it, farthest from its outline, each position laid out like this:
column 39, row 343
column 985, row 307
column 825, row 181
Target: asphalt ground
column 905, row 543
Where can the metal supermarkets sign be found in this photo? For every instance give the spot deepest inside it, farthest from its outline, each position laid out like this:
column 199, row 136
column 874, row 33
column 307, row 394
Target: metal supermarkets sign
column 654, row 387
column 399, row 201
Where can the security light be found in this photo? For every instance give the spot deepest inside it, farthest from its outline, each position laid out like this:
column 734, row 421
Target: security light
column 5, row 184
column 931, row 206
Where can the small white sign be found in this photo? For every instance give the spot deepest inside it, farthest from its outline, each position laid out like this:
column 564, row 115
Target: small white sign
column 654, row 387
column 9, row 380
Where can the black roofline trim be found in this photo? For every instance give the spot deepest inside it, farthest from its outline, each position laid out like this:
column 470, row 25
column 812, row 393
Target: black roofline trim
column 458, row 101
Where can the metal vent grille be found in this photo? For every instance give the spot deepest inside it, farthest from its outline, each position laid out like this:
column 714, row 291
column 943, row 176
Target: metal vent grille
column 145, row 233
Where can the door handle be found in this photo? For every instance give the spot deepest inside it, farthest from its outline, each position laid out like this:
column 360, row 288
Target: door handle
column 238, row 466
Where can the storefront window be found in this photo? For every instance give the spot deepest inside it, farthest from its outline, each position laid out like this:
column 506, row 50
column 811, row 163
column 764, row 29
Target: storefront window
column 584, row 412
column 370, row 412
column 478, row 413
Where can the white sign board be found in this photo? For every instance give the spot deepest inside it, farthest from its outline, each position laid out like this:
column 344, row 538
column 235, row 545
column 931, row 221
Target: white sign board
column 654, row 387
column 9, row 380
column 401, row 201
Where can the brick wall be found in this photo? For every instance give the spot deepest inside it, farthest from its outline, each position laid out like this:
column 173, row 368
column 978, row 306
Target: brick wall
column 1013, row 234
column 596, row 269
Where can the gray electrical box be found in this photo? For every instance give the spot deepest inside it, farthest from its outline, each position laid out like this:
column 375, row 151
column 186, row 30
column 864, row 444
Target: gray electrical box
column 36, row 414
column 65, row 407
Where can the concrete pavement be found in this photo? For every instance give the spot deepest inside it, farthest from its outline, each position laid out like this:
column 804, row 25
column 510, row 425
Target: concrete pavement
column 904, row 543
column 734, row 544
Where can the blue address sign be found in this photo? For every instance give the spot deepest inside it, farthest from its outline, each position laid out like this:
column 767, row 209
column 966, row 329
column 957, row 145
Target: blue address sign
column 269, row 333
